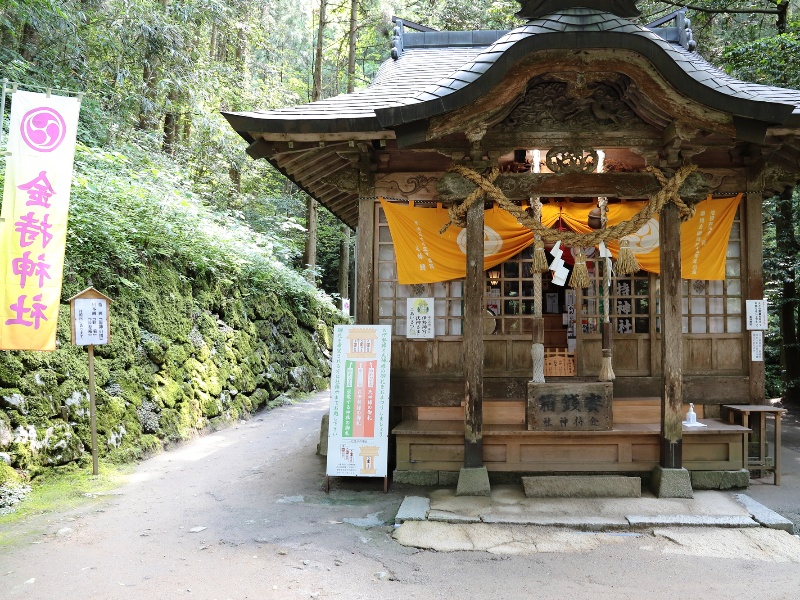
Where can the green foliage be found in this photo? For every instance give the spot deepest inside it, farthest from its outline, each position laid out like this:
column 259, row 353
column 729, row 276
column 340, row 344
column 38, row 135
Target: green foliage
column 770, row 60
column 205, row 314
column 457, row 15
column 773, row 60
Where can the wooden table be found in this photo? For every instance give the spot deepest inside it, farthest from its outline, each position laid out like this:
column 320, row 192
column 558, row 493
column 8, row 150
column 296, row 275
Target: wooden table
column 760, row 462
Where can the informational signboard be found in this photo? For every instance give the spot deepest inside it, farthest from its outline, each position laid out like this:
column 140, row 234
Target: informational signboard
column 91, row 325
column 358, row 432
column 90, row 321
column 419, row 318
column 90, row 318
column 756, row 314
column 757, row 346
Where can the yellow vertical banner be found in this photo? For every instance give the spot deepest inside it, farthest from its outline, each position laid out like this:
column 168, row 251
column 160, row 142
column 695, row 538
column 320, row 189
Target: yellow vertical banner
column 41, row 143
column 704, row 237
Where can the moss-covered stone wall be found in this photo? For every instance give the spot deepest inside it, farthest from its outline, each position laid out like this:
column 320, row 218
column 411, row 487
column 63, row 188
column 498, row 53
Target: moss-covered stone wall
column 185, row 354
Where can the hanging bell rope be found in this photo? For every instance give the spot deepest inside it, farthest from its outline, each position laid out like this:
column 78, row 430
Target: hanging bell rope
column 540, row 264
column 580, row 274
column 487, row 190
column 626, row 260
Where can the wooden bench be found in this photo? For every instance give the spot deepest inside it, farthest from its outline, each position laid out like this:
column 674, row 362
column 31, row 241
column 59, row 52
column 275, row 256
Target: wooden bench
column 435, row 441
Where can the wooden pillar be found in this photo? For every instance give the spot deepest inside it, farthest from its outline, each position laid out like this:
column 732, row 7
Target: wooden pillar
column 671, row 339
column 474, row 313
column 365, row 261
column 751, row 227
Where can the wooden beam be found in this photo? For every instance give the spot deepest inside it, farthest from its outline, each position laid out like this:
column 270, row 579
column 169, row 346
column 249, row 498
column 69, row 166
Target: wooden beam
column 474, row 311
column 752, row 227
column 416, row 185
column 671, row 339
column 365, row 251
column 516, row 186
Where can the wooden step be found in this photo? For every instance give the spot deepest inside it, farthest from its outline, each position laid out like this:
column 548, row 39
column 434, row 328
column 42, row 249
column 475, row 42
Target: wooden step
column 644, row 410
column 495, row 412
column 511, row 411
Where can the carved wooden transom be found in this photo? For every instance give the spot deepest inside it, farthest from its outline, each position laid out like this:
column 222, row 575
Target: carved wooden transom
column 571, row 160
column 554, row 105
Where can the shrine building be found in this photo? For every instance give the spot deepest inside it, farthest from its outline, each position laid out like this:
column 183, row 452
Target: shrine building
column 580, row 199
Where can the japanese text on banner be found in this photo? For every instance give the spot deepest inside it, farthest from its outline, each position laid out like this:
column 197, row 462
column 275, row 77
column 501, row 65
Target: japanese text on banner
column 41, row 144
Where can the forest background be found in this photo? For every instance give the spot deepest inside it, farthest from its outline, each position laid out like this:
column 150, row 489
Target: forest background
column 221, row 304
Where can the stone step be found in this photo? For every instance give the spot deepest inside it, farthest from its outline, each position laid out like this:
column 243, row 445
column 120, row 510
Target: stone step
column 582, row 486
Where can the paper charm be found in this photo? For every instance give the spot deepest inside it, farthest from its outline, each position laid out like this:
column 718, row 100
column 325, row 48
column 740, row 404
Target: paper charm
column 560, row 275
column 560, row 272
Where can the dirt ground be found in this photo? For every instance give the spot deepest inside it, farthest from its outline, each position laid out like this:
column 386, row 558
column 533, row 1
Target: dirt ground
column 242, row 513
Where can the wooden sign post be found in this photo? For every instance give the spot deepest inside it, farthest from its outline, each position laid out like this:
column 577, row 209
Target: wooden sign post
column 90, row 325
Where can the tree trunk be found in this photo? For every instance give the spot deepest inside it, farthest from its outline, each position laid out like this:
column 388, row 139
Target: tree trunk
column 310, row 254
column 351, row 55
column 783, row 13
column 241, row 50
column 236, row 178
column 146, row 121
column 170, row 125
column 187, row 127
column 344, row 246
column 787, row 246
column 344, row 265
column 29, row 43
column 316, row 92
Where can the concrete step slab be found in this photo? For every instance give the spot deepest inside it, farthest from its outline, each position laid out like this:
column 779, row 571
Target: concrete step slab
column 582, row 486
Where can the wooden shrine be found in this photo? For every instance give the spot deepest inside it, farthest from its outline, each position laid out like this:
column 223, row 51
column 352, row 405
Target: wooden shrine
column 575, row 123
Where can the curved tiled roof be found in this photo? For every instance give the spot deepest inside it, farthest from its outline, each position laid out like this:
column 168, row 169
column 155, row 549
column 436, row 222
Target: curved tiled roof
column 355, row 112
column 428, row 81
column 582, row 28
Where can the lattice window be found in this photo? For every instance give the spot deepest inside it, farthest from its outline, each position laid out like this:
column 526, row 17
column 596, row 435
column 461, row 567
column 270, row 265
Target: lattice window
column 716, row 306
column 708, row 306
column 628, row 297
column 509, row 294
column 392, row 297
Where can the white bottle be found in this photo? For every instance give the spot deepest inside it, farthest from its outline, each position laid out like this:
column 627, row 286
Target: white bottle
column 691, row 417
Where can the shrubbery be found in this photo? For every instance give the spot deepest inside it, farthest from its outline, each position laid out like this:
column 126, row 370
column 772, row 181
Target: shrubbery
column 207, row 323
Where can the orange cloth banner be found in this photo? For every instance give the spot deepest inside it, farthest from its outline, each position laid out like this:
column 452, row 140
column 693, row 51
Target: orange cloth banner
column 426, row 256
column 33, row 232
column 704, row 237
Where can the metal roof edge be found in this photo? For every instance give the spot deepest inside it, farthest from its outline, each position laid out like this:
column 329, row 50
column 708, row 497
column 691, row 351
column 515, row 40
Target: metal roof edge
column 246, row 122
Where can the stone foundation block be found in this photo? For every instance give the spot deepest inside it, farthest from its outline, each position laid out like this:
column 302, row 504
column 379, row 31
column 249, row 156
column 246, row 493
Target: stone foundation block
column 671, row 483
column 473, row 482
column 720, row 480
column 416, row 477
column 582, row 486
